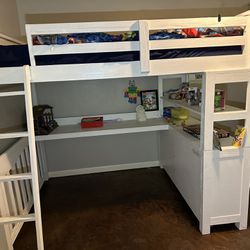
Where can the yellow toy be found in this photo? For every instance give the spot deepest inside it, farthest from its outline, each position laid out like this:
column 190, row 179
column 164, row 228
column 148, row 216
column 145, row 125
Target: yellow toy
column 239, row 137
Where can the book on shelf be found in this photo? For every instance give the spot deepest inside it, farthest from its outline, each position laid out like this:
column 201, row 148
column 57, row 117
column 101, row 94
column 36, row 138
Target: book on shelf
column 194, row 130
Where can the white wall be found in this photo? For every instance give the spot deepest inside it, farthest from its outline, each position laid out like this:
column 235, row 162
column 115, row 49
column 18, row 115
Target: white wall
column 95, row 97
column 59, row 6
column 9, row 22
column 11, row 109
column 172, row 8
column 12, row 116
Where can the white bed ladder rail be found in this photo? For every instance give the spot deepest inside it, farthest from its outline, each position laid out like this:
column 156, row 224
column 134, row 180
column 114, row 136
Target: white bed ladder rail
column 33, row 176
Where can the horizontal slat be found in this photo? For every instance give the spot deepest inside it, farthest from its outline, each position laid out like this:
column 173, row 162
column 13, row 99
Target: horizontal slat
column 11, row 75
column 101, row 133
column 12, row 93
column 109, row 128
column 233, row 115
column 16, row 177
column 225, row 219
column 197, row 42
column 197, row 64
column 132, row 69
column 85, row 71
column 231, row 76
column 85, row 48
column 196, row 23
column 59, row 28
column 13, row 135
column 180, row 103
column 17, row 219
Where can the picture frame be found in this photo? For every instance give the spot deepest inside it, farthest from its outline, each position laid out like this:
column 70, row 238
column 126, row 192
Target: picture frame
column 149, row 99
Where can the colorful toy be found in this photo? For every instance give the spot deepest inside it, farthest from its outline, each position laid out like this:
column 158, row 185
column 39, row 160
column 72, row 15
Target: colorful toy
column 219, row 100
column 132, row 92
column 239, row 137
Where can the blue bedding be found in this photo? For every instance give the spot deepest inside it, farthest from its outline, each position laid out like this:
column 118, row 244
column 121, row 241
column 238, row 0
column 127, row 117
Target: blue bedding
column 97, row 37
column 17, row 55
column 14, row 55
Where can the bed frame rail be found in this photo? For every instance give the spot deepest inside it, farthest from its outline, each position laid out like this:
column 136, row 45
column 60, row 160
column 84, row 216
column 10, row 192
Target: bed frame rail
column 88, row 27
column 145, row 66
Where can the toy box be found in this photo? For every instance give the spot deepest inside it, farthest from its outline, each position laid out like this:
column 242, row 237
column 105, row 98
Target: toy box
column 92, row 122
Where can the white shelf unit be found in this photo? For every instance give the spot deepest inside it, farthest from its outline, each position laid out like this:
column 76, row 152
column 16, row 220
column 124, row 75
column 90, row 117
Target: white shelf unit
column 215, row 184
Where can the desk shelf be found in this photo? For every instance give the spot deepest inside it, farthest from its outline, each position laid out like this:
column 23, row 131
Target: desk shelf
column 109, row 128
column 182, row 103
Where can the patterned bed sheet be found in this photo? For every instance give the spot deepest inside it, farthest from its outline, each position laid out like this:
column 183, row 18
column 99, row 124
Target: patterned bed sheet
column 96, row 37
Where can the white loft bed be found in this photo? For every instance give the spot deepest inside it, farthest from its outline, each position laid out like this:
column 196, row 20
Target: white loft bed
column 198, row 181
column 144, row 67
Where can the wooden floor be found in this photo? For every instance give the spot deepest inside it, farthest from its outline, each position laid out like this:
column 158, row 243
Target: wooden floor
column 136, row 209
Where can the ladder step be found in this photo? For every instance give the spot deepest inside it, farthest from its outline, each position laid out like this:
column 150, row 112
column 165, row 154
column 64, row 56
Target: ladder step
column 17, row 219
column 13, row 135
column 16, row 177
column 12, row 93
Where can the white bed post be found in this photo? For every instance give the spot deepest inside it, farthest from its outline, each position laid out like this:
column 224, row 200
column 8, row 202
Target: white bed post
column 33, row 159
column 247, row 45
column 30, row 43
column 144, row 46
column 206, row 145
column 246, row 162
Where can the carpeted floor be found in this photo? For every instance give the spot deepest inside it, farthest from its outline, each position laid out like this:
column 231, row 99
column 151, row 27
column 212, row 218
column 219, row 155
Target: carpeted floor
column 135, row 209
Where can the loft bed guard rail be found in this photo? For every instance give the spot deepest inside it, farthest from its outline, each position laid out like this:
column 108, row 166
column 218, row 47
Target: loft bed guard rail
column 145, row 44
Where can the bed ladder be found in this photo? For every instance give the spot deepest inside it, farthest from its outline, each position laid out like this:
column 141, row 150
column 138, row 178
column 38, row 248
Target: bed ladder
column 33, row 176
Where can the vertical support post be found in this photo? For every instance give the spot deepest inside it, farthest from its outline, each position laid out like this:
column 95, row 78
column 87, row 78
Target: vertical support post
column 144, row 46
column 207, row 110
column 246, row 49
column 33, row 158
column 246, row 167
column 30, row 45
column 205, row 144
column 160, row 93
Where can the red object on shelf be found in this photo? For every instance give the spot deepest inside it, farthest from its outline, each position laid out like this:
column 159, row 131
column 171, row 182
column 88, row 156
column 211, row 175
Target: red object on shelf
column 92, row 122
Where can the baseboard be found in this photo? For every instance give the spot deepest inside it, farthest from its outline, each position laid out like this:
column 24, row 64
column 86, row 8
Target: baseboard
column 102, row 169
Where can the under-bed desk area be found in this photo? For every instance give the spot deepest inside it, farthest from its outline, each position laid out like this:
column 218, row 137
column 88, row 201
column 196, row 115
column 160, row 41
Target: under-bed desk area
column 84, row 69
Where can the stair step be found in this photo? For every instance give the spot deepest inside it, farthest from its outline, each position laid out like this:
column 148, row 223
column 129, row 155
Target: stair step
column 17, row 219
column 12, row 93
column 13, row 135
column 16, row 177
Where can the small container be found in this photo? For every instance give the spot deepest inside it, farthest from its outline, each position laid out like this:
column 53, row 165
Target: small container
column 219, row 100
column 92, row 122
column 179, row 113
